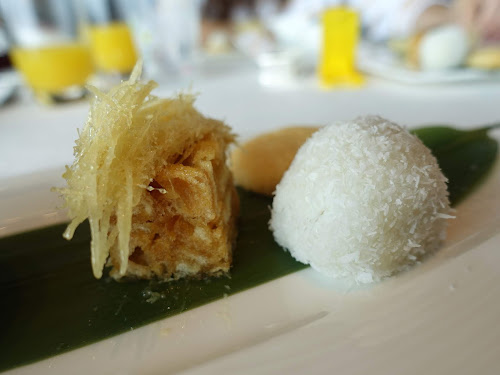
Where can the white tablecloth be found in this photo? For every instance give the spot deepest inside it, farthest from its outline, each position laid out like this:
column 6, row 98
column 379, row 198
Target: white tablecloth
column 35, row 137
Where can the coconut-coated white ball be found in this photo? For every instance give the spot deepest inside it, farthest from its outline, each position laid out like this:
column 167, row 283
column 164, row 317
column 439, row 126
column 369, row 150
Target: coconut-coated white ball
column 361, row 201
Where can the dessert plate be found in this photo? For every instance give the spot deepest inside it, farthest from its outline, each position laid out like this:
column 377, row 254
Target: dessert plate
column 440, row 317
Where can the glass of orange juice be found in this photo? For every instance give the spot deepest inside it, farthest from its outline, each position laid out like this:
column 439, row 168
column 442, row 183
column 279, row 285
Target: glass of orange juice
column 47, row 48
column 340, row 39
column 111, row 43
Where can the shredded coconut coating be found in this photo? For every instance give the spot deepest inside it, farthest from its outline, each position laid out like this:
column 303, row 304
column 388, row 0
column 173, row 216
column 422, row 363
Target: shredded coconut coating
column 361, row 201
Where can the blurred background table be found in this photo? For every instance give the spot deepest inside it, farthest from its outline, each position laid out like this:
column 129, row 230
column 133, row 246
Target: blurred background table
column 34, row 138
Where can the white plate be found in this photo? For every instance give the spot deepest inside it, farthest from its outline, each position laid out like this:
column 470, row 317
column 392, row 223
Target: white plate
column 380, row 61
column 439, row 318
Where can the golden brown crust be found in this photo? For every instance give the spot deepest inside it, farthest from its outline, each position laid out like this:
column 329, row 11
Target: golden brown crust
column 185, row 223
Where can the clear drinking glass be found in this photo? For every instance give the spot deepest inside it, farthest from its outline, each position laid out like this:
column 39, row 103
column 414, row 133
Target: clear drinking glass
column 111, row 43
column 47, row 47
column 167, row 33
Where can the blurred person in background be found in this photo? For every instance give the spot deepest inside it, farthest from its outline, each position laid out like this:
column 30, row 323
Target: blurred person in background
column 238, row 23
column 384, row 20
column 480, row 16
column 381, row 20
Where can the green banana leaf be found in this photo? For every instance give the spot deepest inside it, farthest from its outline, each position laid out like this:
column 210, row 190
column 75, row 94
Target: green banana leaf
column 51, row 303
column 465, row 156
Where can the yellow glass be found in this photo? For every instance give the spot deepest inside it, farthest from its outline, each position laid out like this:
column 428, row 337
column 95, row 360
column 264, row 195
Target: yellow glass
column 53, row 68
column 112, row 47
column 340, row 38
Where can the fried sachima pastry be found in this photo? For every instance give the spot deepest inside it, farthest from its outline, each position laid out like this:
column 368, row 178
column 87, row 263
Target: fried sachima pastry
column 184, row 223
column 150, row 176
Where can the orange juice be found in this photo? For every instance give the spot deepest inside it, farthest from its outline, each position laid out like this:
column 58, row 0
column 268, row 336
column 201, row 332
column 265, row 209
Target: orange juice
column 112, row 47
column 55, row 68
column 340, row 38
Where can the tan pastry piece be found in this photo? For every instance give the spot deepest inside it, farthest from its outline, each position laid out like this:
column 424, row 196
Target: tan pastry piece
column 485, row 58
column 259, row 164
